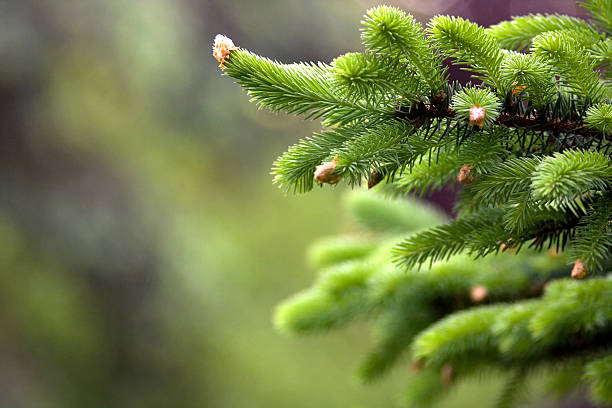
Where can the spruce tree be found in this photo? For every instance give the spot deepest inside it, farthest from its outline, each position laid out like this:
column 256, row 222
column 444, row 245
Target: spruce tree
column 516, row 282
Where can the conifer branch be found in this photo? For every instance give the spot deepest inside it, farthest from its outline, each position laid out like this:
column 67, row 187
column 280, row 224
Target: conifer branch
column 530, row 147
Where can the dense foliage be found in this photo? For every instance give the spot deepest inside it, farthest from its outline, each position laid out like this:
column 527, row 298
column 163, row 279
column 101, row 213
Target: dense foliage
column 528, row 141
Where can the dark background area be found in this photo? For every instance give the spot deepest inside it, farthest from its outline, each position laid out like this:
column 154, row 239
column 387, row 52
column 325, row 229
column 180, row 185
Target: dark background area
column 142, row 243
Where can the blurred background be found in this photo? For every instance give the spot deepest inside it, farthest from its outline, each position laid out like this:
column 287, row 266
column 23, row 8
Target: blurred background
column 142, row 244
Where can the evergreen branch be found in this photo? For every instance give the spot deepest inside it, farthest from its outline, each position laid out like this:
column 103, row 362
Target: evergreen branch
column 601, row 11
column 314, row 311
column 593, row 239
column 425, row 389
column 463, row 338
column 571, row 61
column 384, row 148
column 601, row 54
column 334, row 250
column 522, row 212
column 483, row 150
column 303, row 89
column 565, row 178
column 397, row 328
column 432, row 171
column 339, row 295
column 479, row 233
column 371, row 77
column 468, row 98
column 529, row 75
column 570, row 125
column 504, row 181
column 293, row 171
column 518, row 32
column 573, row 312
column 599, row 117
column 470, row 45
column 390, row 30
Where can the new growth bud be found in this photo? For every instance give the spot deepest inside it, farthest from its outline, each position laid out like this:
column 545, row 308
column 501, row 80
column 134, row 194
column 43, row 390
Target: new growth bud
column 579, row 271
column 465, row 174
column 326, row 172
column 478, row 293
column 222, row 48
column 477, row 116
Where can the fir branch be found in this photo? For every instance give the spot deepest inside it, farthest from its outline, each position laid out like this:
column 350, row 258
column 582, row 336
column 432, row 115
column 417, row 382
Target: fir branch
column 382, row 215
column 518, row 32
column 570, row 59
column 479, row 234
column 599, row 117
column 601, row 11
column 564, row 178
column 397, row 328
column 463, row 338
column 303, row 89
column 470, row 45
column 504, row 180
column 432, row 171
column 573, row 312
column 375, row 78
column 385, row 148
column 529, row 76
column 593, row 240
column 390, row 30
column 293, row 171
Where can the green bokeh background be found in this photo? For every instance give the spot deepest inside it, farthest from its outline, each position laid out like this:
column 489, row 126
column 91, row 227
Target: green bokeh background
column 142, row 244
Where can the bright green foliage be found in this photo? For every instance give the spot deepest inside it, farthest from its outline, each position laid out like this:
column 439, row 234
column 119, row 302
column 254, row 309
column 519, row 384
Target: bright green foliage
column 376, row 213
column 404, row 303
column 520, row 31
column 531, row 76
column 571, row 61
column 390, row 30
column 529, row 148
column 334, row 250
column 565, row 178
column 601, row 12
column 468, row 97
column 376, row 77
column 297, row 88
column 593, row 240
column 470, row 45
column 599, row 117
column 478, row 234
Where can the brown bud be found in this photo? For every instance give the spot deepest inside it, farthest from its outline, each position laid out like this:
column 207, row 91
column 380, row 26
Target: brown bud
column 464, row 176
column 447, row 374
column 477, row 116
column 326, row 172
column 222, row 48
column 579, row 271
column 478, row 293
column 375, row 178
